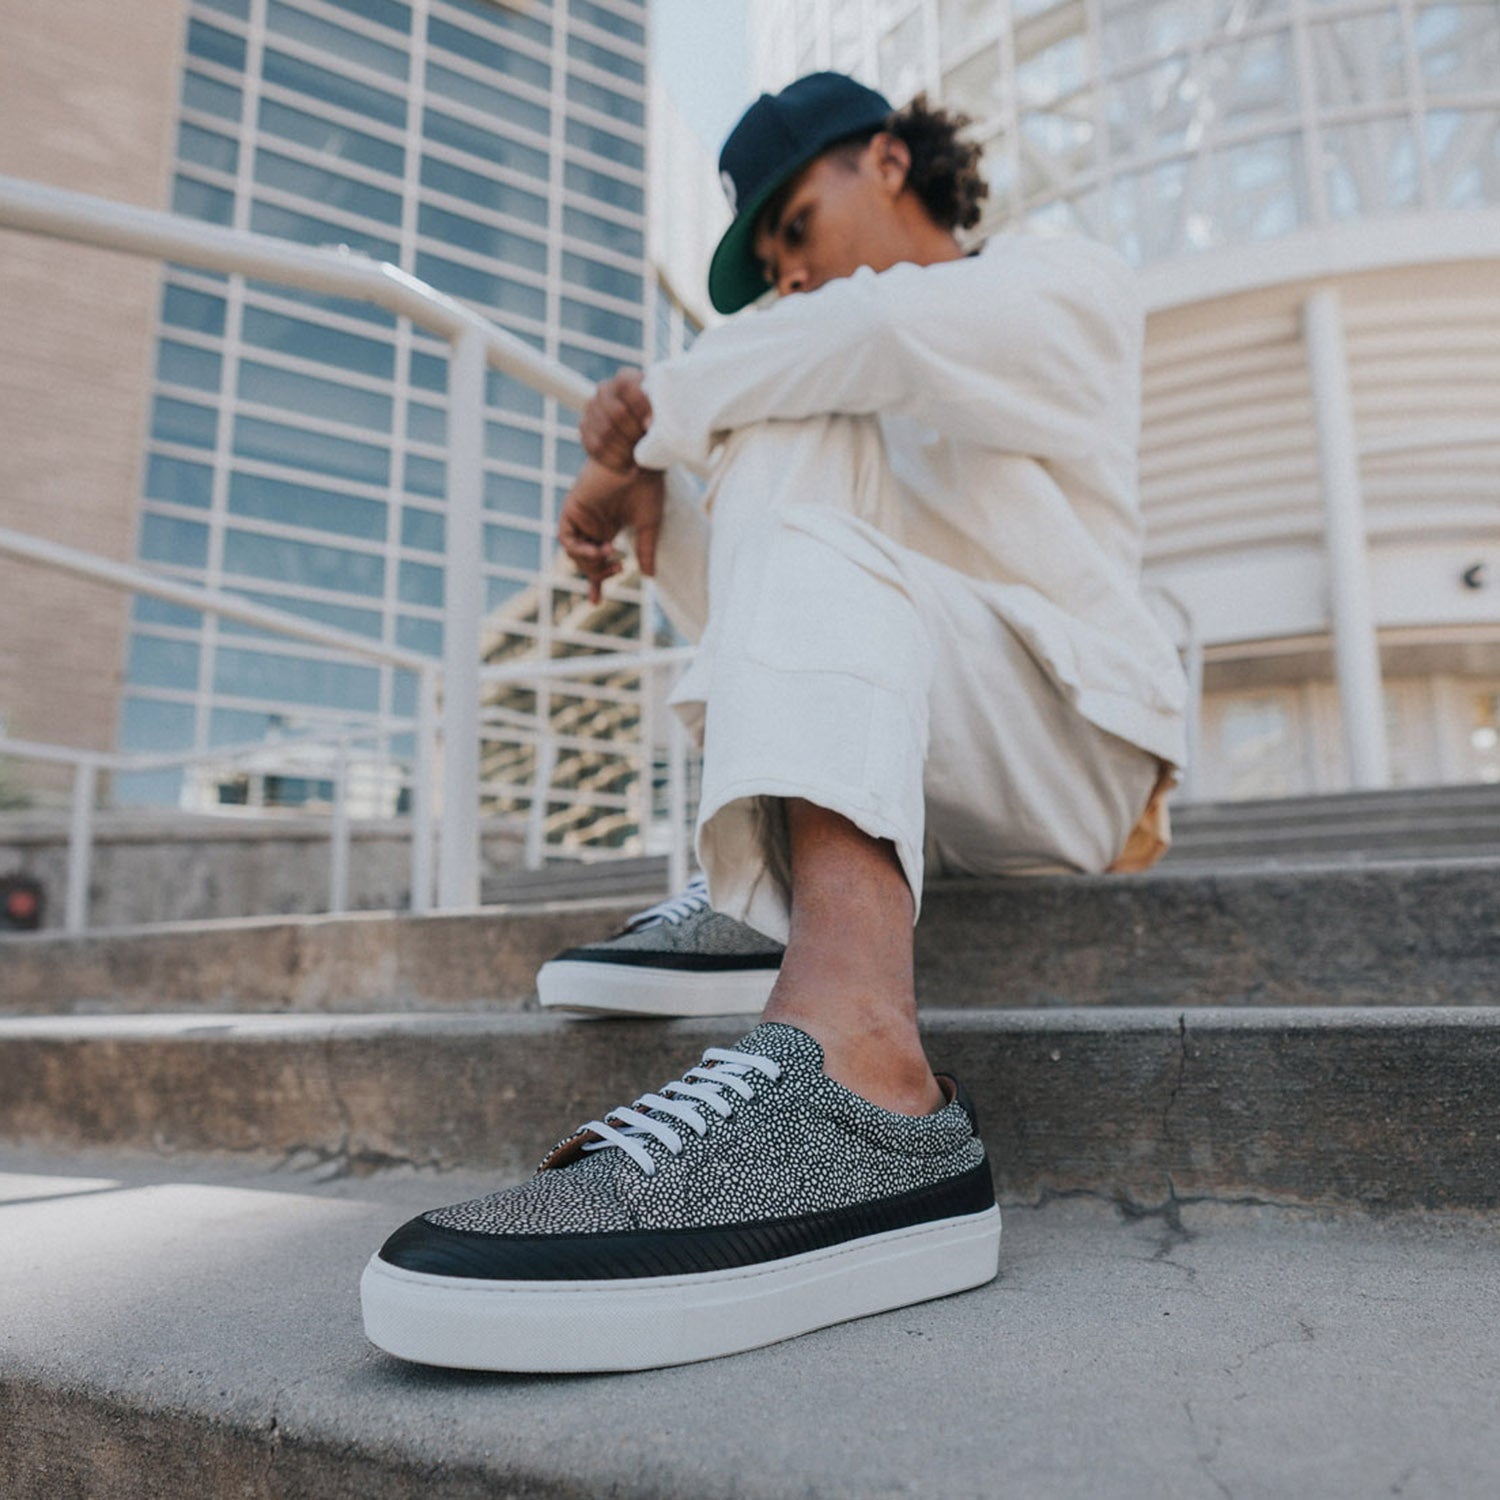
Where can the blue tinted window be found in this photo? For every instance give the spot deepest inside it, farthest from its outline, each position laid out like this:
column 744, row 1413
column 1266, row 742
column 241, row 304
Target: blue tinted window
column 340, row 616
column 607, row 20
column 185, row 364
column 331, row 346
column 592, row 230
column 426, row 424
column 479, row 286
column 239, row 726
column 332, row 88
column 335, row 39
column 383, row 12
column 444, row 177
column 581, row 317
column 517, row 497
column 596, row 367
column 422, row 530
column 178, row 422
column 506, row 61
column 146, row 788
column 197, row 200
column 510, row 394
column 207, row 149
column 149, row 611
column 598, row 277
column 420, row 635
column 603, row 187
column 240, row 8
column 285, row 561
column 266, row 218
column 506, row 547
column 498, row 591
column 484, row 239
column 418, row 583
column 215, row 45
column 346, row 307
column 605, row 143
column 426, row 476
column 330, row 189
column 276, row 443
column 197, row 310
column 262, row 674
column 302, row 505
column 505, row 18
column 211, row 96
column 313, row 397
column 166, row 539
column 333, row 140
column 429, row 372
column 154, row 662
column 606, row 101
column 606, row 59
column 485, row 144
column 570, row 456
column 176, row 480
column 512, row 445
column 487, row 99
column 149, row 725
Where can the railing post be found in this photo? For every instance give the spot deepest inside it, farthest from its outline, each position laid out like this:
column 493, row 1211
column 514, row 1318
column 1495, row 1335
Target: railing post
column 421, row 791
column 80, row 846
column 458, row 864
column 677, row 850
column 536, row 816
column 338, row 846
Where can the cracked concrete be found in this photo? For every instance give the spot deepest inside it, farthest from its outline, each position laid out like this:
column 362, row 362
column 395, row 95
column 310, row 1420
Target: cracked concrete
column 197, row 1330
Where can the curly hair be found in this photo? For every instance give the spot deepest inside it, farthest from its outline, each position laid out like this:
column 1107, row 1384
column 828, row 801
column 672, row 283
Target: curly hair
column 944, row 171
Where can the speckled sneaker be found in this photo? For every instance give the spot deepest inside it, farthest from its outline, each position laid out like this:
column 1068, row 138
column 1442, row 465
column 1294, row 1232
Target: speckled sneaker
column 680, row 958
column 750, row 1201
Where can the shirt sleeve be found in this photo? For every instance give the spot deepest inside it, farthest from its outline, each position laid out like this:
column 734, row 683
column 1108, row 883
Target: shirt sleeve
column 1021, row 348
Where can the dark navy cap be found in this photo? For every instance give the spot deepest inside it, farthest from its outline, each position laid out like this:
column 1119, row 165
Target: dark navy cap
column 776, row 137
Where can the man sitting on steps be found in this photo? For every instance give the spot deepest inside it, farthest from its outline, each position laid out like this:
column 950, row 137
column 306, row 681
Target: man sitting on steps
column 922, row 647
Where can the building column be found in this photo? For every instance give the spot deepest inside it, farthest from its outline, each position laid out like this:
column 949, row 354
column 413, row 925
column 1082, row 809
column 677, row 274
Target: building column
column 1356, row 651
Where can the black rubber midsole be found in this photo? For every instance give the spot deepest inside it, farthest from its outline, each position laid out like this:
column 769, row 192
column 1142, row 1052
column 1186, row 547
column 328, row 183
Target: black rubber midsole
column 470, row 1254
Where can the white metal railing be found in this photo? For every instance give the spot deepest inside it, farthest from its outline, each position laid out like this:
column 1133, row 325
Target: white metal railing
column 475, row 345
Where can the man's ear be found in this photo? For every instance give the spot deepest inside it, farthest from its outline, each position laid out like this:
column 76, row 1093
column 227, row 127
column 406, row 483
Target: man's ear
column 892, row 161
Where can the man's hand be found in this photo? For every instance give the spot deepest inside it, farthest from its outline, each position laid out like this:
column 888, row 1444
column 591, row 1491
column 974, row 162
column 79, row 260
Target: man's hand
column 599, row 506
column 615, row 420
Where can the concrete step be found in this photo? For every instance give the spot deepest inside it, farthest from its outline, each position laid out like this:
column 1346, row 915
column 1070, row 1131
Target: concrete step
column 1425, row 933
column 1477, row 799
column 1371, row 1108
column 194, row 1330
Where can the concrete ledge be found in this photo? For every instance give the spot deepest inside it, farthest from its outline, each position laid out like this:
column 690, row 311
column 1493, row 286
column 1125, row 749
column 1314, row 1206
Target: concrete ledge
column 1405, row 934
column 1370, row 1109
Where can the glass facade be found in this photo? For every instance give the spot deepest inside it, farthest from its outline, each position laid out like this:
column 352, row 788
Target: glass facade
column 1170, row 126
column 296, row 447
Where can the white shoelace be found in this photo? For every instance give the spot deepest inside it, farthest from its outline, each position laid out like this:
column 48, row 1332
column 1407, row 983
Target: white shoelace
column 702, row 1084
column 692, row 899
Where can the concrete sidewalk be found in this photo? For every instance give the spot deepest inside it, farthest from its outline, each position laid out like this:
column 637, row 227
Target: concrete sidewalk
column 193, row 1330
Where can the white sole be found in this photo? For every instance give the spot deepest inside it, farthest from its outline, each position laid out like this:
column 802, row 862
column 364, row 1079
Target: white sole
column 640, row 1324
column 600, row 989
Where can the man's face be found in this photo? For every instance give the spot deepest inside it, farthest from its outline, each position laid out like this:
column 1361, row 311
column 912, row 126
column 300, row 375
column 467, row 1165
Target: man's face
column 837, row 216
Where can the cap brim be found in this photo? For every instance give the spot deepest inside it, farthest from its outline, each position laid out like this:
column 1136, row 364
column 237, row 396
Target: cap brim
column 735, row 276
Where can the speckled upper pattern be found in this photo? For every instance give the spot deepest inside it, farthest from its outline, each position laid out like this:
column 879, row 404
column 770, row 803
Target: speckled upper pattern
column 800, row 1145
column 704, row 932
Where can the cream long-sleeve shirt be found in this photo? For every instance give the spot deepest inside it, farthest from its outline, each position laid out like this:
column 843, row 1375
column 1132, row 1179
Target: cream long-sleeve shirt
column 1007, row 388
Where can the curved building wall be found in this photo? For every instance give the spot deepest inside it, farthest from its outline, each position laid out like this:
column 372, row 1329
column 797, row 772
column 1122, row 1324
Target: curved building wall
column 1247, row 155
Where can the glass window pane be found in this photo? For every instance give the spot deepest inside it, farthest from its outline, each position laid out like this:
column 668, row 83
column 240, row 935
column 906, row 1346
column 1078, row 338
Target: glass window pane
column 479, row 286
column 309, row 396
column 588, row 362
column 312, row 341
column 341, row 42
column 419, row 583
column 483, row 239
column 1458, row 46
column 607, row 20
column 275, row 442
column 422, row 530
column 1371, row 168
column 592, row 230
column 177, row 481
column 154, row 662
column 199, row 311
column 488, row 100
column 207, row 149
column 605, row 143
column 429, row 372
column 490, row 148
column 606, row 59
column 197, row 200
column 166, row 539
column 420, row 635
column 342, row 616
column 426, row 476
column 339, row 141
column 390, row 13
column 147, row 724
column 239, row 726
column 186, row 364
column 504, row 18
column 262, row 674
column 332, row 88
column 511, row 394
column 498, row 591
column 606, row 101
column 487, row 192
column 597, row 276
column 506, row 547
column 216, row 45
column 517, row 497
column 305, row 563
column 331, row 189
column 239, row 8
column 583, row 317
column 605, row 188
column 426, row 424
column 175, row 421
column 149, row 611
column 512, row 445
column 211, row 96
column 292, row 504
column 267, row 218
column 508, row 62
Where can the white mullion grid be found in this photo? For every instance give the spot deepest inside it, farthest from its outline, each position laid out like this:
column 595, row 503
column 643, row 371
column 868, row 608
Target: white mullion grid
column 588, row 32
column 588, row 115
column 234, row 304
column 339, row 541
column 489, row 32
column 334, row 166
column 329, row 213
column 605, row 165
column 348, row 20
column 587, row 72
column 301, row 421
column 494, row 217
column 1308, row 106
column 604, row 254
column 325, row 109
column 326, row 61
column 294, row 474
column 524, row 93
column 296, row 364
